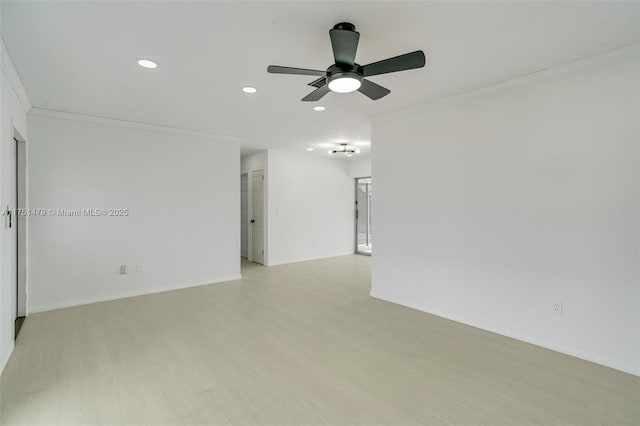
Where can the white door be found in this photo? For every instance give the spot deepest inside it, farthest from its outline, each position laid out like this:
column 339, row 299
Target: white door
column 257, row 216
column 244, row 215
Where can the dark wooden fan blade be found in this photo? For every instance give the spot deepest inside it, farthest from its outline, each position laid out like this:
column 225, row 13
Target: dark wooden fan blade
column 372, row 90
column 404, row 62
column 319, row 82
column 317, row 94
column 276, row 69
column 345, row 45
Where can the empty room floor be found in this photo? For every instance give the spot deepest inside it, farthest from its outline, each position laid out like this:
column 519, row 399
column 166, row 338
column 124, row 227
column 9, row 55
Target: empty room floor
column 294, row 344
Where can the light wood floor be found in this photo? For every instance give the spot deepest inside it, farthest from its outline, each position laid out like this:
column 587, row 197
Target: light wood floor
column 294, row 344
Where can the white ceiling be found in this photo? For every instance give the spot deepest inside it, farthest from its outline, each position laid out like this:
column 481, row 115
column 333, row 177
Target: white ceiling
column 81, row 57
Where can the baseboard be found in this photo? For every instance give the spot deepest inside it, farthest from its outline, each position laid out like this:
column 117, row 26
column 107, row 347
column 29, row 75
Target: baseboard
column 523, row 336
column 6, row 355
column 88, row 301
column 307, row 259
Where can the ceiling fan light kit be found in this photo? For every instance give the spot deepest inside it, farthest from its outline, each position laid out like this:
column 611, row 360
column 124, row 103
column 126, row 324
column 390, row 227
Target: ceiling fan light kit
column 346, row 75
column 344, row 82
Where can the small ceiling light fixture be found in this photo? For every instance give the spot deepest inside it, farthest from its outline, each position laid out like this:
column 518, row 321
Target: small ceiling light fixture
column 147, row 63
column 249, row 89
column 310, row 149
column 319, row 108
column 345, row 149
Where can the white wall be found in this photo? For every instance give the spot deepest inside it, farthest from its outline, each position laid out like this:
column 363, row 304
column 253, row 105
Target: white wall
column 13, row 106
column 257, row 161
column 310, row 209
column 360, row 167
column 491, row 207
column 248, row 164
column 182, row 192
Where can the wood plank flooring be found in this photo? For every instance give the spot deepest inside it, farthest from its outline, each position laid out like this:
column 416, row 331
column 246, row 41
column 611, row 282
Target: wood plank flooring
column 298, row 344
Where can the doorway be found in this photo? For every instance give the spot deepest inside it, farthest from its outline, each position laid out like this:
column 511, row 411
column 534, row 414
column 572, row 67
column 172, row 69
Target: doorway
column 19, row 222
column 257, row 216
column 244, row 215
column 363, row 237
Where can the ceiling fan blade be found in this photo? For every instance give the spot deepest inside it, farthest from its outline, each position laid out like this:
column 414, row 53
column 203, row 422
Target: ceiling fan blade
column 276, row 69
column 404, row 62
column 344, row 44
column 319, row 82
column 317, row 94
column 372, row 90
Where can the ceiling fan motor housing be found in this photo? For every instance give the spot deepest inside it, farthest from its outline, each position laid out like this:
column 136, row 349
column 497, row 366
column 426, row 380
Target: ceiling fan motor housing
column 346, row 26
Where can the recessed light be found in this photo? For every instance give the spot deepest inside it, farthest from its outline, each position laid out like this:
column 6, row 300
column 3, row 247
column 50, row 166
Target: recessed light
column 310, row 149
column 249, row 89
column 319, row 108
column 147, row 63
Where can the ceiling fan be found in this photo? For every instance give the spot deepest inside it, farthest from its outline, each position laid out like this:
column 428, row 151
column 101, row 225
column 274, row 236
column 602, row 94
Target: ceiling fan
column 345, row 75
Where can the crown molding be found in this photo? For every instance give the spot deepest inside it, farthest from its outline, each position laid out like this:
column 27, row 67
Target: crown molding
column 9, row 70
column 86, row 118
column 611, row 56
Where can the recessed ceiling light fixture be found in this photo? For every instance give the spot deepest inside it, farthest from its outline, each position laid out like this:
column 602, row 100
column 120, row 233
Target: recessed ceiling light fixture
column 319, row 108
column 310, row 149
column 147, row 63
column 249, row 89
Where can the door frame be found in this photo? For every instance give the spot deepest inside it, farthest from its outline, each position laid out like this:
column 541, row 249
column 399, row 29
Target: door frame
column 355, row 216
column 19, row 230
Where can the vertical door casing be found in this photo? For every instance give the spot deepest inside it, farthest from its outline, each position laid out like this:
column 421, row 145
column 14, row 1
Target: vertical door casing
column 20, row 222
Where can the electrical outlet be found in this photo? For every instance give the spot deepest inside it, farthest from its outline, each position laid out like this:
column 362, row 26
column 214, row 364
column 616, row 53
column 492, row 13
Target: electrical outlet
column 124, row 269
column 557, row 307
